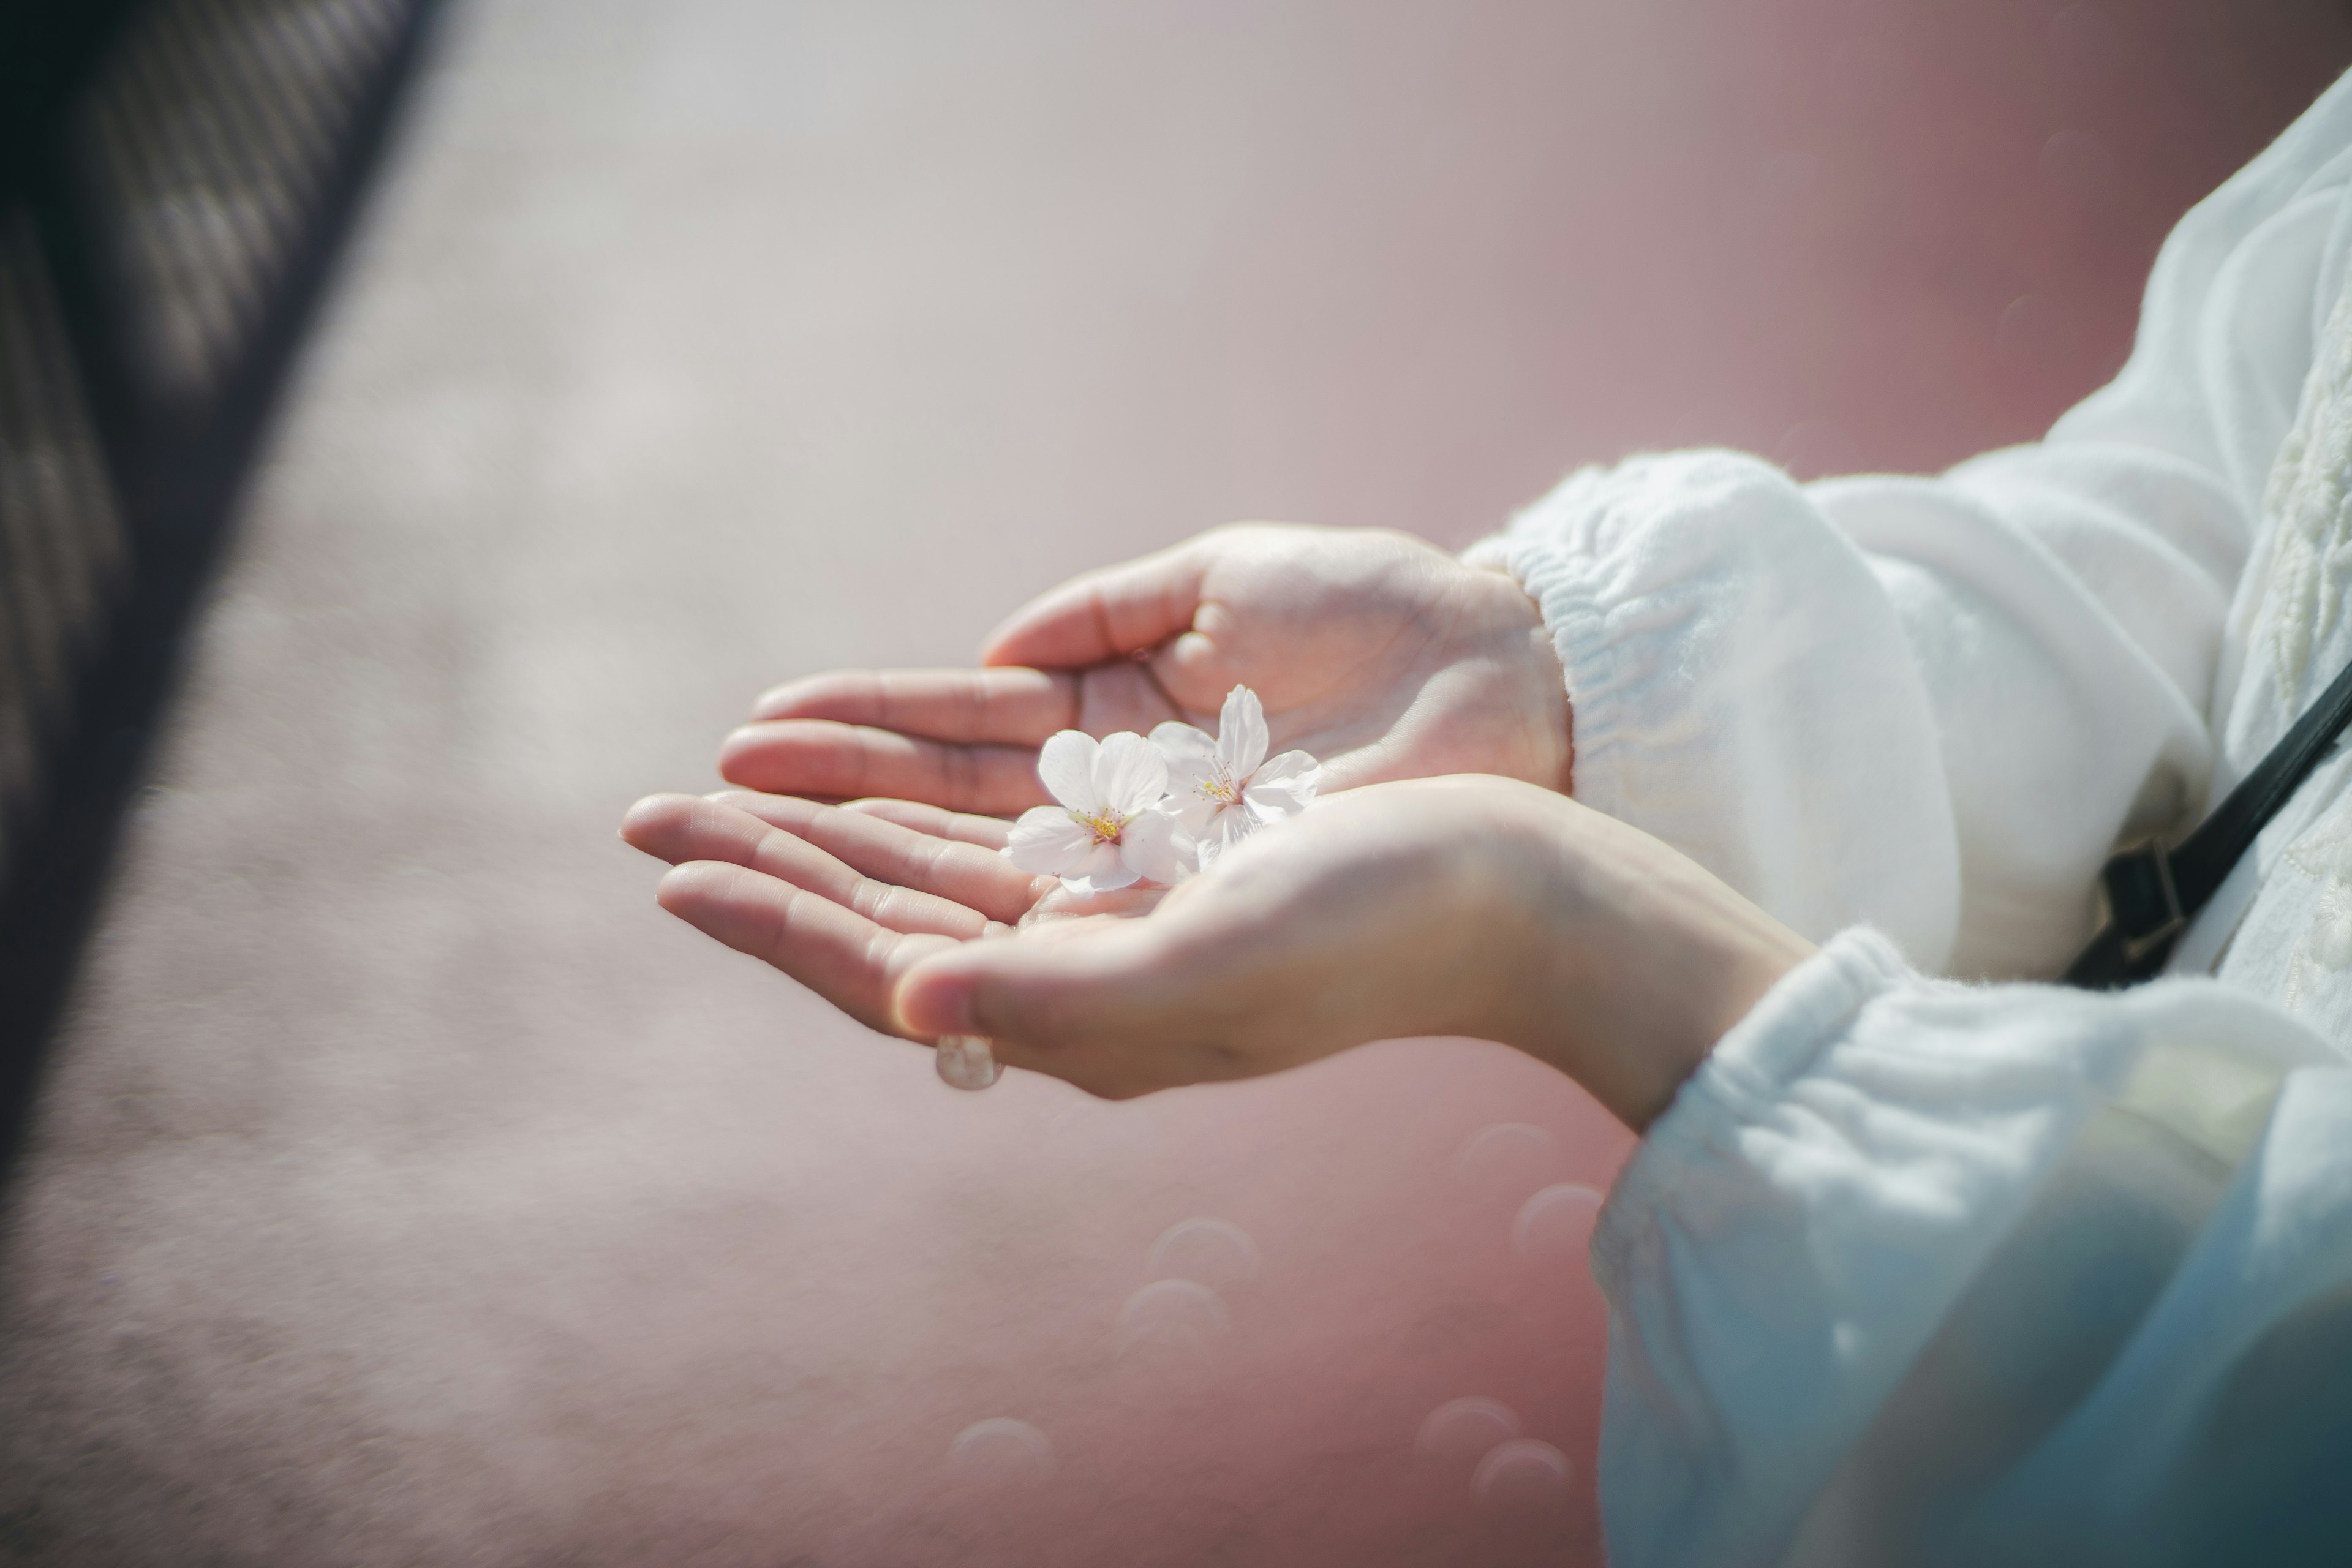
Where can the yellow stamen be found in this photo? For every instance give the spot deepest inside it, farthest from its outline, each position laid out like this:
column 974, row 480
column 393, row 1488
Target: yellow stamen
column 1220, row 787
column 1105, row 824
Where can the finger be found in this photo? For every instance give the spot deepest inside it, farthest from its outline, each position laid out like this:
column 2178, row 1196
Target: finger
column 1126, row 694
column 963, row 872
column 833, row 760
column 683, row 828
column 1042, row 993
column 963, row 827
column 837, row 952
column 1111, row 613
column 1011, row 707
column 1112, row 1005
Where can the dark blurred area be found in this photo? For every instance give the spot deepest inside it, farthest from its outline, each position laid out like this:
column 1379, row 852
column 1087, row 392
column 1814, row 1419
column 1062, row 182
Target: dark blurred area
column 173, row 175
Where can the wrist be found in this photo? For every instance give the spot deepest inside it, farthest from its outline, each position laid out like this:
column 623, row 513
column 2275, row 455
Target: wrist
column 1534, row 676
column 1637, row 961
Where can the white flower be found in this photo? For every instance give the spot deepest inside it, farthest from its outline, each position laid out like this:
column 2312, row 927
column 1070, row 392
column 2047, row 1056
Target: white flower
column 1105, row 833
column 1223, row 789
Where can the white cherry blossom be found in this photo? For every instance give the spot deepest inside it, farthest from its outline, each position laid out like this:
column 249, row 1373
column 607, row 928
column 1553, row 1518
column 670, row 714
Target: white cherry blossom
column 1105, row 833
column 1222, row 791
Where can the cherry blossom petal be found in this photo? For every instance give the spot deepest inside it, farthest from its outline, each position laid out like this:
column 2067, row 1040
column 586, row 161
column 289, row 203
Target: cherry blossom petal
column 1233, row 825
column 1130, row 776
column 1191, row 756
column 1285, row 786
column 1157, row 847
column 1106, row 870
column 1241, row 731
column 1065, row 766
column 1046, row 842
column 1194, row 810
column 1181, row 743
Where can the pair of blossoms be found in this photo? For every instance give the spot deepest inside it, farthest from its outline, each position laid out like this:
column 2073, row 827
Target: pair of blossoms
column 1136, row 809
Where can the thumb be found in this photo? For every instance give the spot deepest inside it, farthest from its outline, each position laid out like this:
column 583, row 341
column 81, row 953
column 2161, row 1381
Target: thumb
column 1102, row 615
column 1040, row 993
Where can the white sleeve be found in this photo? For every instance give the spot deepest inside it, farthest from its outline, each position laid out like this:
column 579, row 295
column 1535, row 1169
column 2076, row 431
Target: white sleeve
column 1914, row 1272
column 1934, row 704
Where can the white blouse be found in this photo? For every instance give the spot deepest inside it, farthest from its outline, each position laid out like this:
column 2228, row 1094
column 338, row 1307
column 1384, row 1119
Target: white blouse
column 1920, row 1271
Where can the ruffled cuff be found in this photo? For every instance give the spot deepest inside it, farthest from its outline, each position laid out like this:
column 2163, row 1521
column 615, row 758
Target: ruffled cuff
column 1632, row 566
column 1747, row 1076
column 1764, row 1293
column 1742, row 689
column 1845, row 1172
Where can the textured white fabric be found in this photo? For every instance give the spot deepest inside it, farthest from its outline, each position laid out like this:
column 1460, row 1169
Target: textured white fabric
column 1916, row 1271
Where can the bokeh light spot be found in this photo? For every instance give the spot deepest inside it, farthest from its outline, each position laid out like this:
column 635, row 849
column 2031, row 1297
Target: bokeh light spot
column 1461, row 1431
column 1509, row 1159
column 1171, row 1305
column 1556, row 1222
column 1522, row 1476
column 1001, row 1452
column 1215, row 1252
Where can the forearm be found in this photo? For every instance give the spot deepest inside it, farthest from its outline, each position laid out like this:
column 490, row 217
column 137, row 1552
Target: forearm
column 1627, row 961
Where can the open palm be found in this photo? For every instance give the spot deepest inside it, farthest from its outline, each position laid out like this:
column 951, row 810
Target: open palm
column 1374, row 915
column 1384, row 657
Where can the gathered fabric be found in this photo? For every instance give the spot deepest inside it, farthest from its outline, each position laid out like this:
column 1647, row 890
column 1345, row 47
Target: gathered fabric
column 1929, row 1262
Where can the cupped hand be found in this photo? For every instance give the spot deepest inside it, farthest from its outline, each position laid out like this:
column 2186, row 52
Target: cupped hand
column 1458, row 906
column 1384, row 657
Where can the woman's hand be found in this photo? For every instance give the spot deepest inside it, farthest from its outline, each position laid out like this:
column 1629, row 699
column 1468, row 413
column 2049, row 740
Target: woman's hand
column 1458, row 906
column 1382, row 655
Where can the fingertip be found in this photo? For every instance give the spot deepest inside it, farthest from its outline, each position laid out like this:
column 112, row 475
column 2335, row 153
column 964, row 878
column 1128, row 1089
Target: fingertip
column 807, row 697
column 644, row 819
column 1020, row 992
column 1057, row 630
column 742, row 743
column 776, row 701
column 938, row 997
column 1007, row 644
column 1195, row 655
column 691, row 885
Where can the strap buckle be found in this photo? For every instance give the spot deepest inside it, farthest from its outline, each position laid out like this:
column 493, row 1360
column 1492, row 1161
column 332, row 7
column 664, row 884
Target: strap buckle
column 2143, row 904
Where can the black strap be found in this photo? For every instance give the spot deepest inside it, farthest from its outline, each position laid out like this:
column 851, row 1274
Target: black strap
column 2152, row 892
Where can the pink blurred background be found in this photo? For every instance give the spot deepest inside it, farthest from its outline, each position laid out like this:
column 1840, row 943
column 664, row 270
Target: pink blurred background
column 408, row 1188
